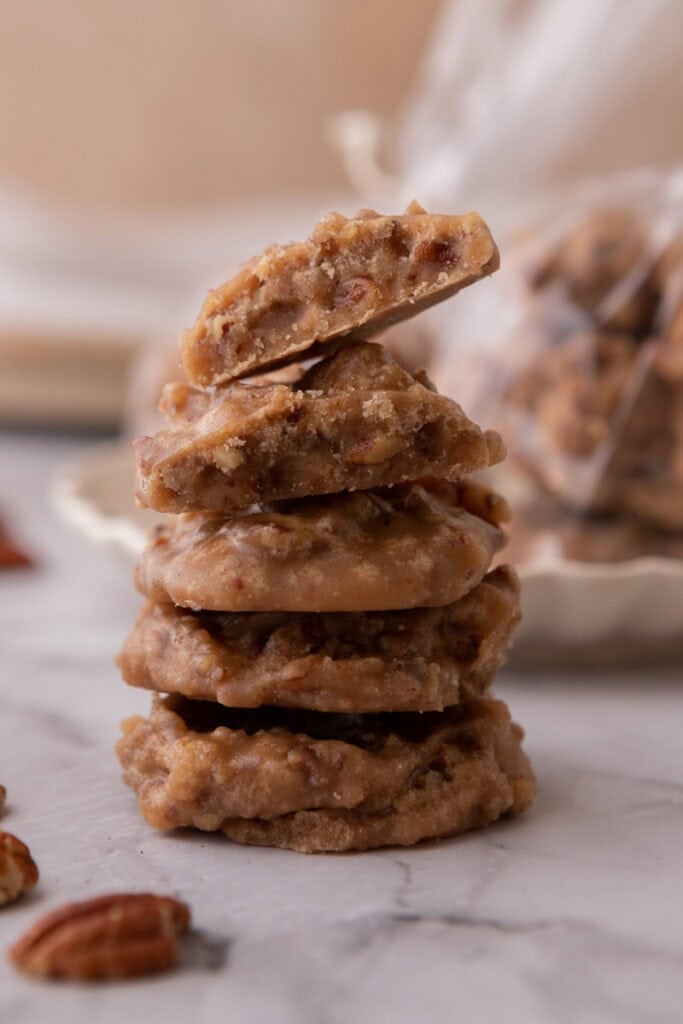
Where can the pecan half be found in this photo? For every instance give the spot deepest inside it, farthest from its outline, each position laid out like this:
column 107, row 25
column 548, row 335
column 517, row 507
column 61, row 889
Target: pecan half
column 355, row 290
column 18, row 872
column 433, row 251
column 371, row 450
column 122, row 935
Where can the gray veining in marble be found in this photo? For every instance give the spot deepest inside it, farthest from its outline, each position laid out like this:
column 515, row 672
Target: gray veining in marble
column 573, row 913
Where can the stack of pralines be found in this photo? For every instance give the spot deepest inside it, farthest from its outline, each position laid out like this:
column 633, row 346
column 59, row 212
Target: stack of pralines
column 322, row 615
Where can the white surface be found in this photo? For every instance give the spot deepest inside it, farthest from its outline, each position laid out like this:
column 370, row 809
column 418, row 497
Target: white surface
column 569, row 914
column 610, row 610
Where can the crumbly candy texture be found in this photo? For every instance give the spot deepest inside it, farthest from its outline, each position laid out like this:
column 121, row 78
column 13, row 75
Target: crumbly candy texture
column 403, row 547
column 312, row 782
column 355, row 275
column 354, row 421
column 419, row 660
column 320, row 612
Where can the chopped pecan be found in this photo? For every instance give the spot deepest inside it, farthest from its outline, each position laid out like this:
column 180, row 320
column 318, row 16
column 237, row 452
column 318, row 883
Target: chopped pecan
column 228, row 457
column 353, row 291
column 18, row 872
column 432, row 251
column 372, row 450
column 122, row 935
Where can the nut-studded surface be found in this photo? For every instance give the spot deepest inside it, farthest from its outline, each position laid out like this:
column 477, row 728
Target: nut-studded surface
column 353, row 421
column 117, row 936
column 317, row 609
column 418, row 660
column 352, row 275
column 314, row 781
column 18, row 872
column 403, row 547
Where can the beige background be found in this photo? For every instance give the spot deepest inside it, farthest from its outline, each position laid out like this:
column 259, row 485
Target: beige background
column 168, row 104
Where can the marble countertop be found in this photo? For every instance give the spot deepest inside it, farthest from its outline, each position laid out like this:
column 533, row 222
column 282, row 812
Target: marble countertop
column 572, row 913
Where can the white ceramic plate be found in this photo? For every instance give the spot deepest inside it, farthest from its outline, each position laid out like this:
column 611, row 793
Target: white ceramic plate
column 573, row 612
